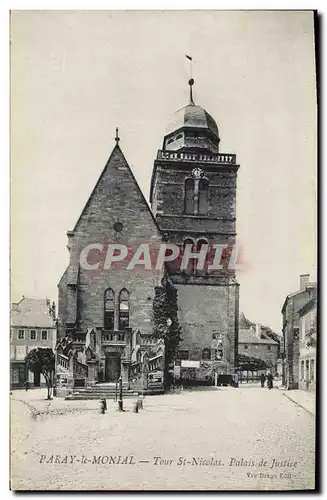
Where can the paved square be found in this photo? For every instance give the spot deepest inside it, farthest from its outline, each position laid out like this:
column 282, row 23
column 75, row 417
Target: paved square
column 210, row 439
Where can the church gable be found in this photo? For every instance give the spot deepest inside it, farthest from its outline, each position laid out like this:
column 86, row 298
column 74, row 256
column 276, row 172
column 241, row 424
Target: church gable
column 117, row 198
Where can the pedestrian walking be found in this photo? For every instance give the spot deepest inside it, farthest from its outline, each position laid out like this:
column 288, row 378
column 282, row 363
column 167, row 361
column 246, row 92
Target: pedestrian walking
column 270, row 379
column 262, row 379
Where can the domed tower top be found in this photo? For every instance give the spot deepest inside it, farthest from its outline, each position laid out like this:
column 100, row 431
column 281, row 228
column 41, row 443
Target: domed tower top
column 191, row 127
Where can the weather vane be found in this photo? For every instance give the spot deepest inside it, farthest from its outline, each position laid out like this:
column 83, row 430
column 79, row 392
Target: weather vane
column 191, row 81
column 191, row 63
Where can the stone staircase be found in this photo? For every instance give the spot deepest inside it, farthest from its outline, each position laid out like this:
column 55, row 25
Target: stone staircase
column 106, row 391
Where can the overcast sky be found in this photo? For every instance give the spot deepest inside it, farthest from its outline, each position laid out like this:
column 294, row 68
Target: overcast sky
column 76, row 75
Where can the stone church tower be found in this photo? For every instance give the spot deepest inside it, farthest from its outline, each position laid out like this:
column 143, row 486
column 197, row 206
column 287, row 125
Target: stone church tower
column 193, row 198
column 106, row 307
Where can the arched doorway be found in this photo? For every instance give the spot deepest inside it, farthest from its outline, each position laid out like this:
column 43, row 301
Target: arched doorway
column 112, row 366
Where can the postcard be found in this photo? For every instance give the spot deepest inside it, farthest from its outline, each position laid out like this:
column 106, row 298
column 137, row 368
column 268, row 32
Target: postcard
column 163, row 330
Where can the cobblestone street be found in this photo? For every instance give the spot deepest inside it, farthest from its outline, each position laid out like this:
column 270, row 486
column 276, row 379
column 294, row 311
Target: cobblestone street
column 218, row 438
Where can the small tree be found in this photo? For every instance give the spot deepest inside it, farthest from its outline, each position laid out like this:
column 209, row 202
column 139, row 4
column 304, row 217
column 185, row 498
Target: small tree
column 42, row 361
column 165, row 319
column 250, row 364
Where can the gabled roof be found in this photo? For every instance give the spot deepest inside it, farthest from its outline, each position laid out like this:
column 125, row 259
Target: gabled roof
column 248, row 336
column 115, row 157
column 243, row 322
column 309, row 286
column 32, row 313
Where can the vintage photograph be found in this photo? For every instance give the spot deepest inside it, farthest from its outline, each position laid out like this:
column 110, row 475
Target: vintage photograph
column 163, row 267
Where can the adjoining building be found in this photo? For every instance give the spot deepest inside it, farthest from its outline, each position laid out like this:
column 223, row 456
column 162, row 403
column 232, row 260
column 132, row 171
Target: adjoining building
column 32, row 325
column 291, row 330
column 280, row 360
column 106, row 315
column 308, row 345
column 254, row 343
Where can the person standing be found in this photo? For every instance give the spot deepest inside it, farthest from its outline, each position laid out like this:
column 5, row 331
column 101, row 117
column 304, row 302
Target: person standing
column 262, row 379
column 270, row 379
column 236, row 379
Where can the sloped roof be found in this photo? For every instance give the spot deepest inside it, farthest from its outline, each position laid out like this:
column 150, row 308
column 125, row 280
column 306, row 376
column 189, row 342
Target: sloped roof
column 243, row 322
column 32, row 312
column 311, row 285
column 248, row 336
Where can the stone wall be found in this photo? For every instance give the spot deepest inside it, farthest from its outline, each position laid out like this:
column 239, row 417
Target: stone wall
column 205, row 311
column 292, row 345
column 169, row 189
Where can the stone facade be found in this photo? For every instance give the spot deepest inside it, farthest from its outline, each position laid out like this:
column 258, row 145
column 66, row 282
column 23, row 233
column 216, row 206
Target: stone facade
column 203, row 323
column 32, row 326
column 291, row 331
column 308, row 345
column 193, row 199
column 115, row 214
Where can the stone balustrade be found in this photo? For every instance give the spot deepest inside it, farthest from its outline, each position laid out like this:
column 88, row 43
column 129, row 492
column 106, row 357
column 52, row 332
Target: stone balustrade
column 63, row 361
column 225, row 158
column 80, row 369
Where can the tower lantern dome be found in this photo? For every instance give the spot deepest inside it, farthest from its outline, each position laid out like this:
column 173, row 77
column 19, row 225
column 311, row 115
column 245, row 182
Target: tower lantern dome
column 191, row 127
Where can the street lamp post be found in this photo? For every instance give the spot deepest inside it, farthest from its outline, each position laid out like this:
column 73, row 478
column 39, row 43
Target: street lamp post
column 55, row 374
column 168, row 323
column 120, row 400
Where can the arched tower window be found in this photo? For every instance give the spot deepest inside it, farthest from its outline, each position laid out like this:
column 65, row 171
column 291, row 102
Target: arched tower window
column 123, row 309
column 109, row 309
column 189, row 196
column 203, row 197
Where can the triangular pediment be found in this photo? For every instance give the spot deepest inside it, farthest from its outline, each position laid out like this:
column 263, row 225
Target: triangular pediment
column 117, row 197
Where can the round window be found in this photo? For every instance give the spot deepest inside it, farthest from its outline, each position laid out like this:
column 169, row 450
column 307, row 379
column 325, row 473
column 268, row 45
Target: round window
column 118, row 227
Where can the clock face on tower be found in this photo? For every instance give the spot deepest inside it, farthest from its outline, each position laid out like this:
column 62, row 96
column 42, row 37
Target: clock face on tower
column 197, row 173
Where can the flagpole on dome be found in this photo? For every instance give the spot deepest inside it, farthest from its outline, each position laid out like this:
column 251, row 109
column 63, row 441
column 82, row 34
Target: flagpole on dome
column 191, row 81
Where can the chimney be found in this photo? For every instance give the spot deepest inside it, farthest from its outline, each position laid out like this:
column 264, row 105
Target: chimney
column 304, row 280
column 258, row 330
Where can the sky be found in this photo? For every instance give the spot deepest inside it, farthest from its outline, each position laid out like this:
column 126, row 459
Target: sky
column 76, row 75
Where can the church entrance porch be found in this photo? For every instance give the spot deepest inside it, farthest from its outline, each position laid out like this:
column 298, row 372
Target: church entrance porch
column 112, row 366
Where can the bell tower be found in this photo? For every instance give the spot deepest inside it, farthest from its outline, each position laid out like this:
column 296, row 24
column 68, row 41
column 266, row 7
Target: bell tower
column 193, row 187
column 193, row 198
